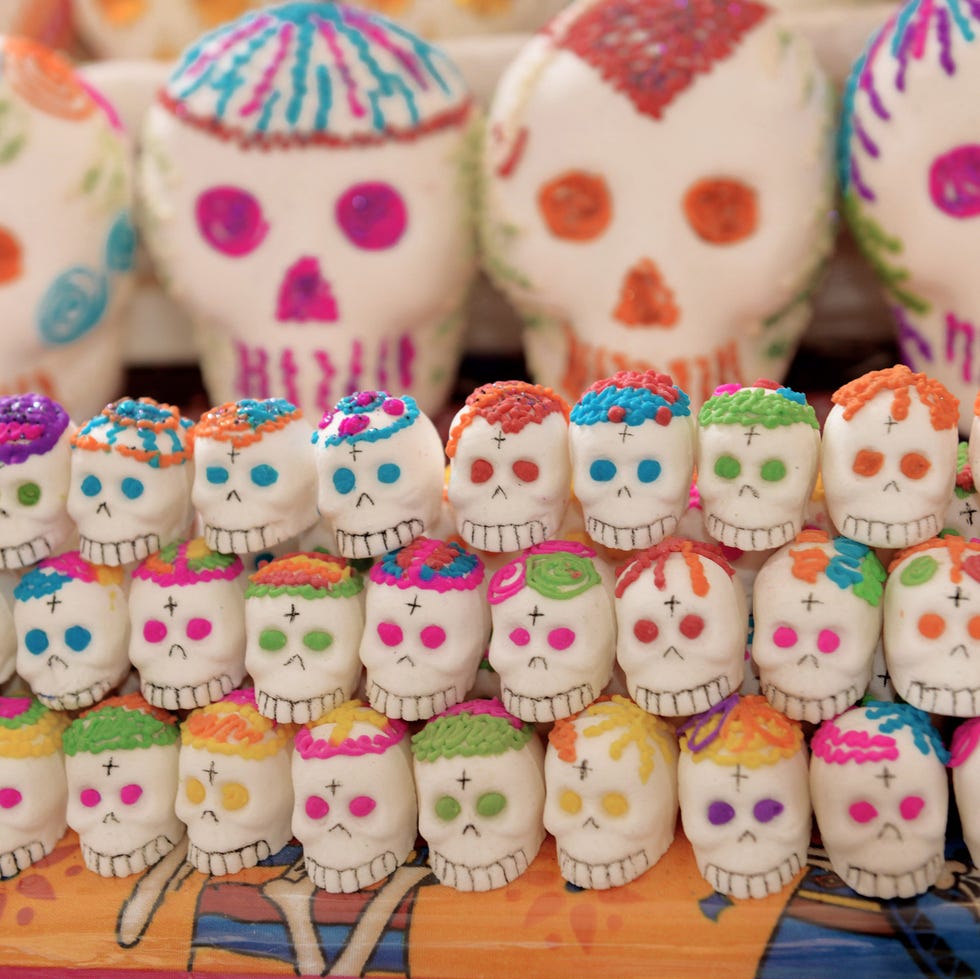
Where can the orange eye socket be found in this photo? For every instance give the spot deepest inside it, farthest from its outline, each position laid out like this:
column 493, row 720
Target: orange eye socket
column 576, row 206
column 10, row 257
column 973, row 627
column 914, row 465
column 932, row 626
column 868, row 462
column 722, row 211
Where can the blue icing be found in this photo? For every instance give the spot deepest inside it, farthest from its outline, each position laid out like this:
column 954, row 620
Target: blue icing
column 39, row 583
column 351, row 406
column 120, row 246
column 72, row 305
column 894, row 717
column 256, row 413
column 639, row 404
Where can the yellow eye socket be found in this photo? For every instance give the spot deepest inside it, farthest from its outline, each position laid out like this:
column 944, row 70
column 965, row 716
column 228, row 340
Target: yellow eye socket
column 234, row 796
column 194, row 791
column 570, row 802
column 615, row 804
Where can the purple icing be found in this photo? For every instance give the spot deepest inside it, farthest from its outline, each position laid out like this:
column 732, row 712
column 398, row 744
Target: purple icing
column 30, row 424
column 720, row 813
column 954, row 181
column 767, row 809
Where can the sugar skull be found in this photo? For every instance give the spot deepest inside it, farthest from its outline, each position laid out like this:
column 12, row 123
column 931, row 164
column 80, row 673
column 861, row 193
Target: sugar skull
column 285, row 218
column 355, row 811
column 303, row 623
column 271, row 496
column 963, row 510
column 878, row 784
column 611, row 778
column 554, row 631
column 509, row 470
column 745, row 800
column 758, row 452
column 131, row 481
column 187, row 610
column 121, row 763
column 681, row 627
column 235, row 794
column 8, row 633
column 817, row 611
column 33, row 792
column 72, row 630
column 426, row 627
column 888, row 457
column 479, row 773
column 63, row 280
column 35, row 434
column 380, row 466
column 964, row 760
column 631, row 439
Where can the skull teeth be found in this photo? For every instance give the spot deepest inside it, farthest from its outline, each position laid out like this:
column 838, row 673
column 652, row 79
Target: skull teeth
column 547, row 708
column 378, row 542
column 298, row 711
column 127, row 864
column 227, row 862
column 350, row 879
column 680, row 703
column 411, row 708
column 600, row 876
column 78, row 699
column 813, row 709
column 482, row 878
column 503, row 537
column 240, row 541
column 750, row 538
column 883, row 533
column 116, row 553
column 190, row 696
column 630, row 538
column 24, row 555
column 936, row 699
column 872, row 883
column 759, row 884
column 20, row 858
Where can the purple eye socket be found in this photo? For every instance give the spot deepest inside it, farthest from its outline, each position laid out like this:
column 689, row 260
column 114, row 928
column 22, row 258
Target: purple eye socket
column 372, row 215
column 230, row 220
column 720, row 813
column 954, row 181
column 766, row 809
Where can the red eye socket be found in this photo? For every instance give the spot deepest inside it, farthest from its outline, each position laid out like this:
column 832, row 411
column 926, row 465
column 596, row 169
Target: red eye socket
column 230, row 220
column 691, row 626
column 721, row 211
column 645, row 630
column 481, row 471
column 10, row 256
column 372, row 215
column 914, row 465
column 575, row 206
column 525, row 470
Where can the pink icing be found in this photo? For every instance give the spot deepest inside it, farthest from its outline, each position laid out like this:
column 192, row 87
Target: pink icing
column 362, row 806
column 244, row 696
column 433, row 636
column 317, row 807
column 561, row 638
column 131, row 793
column 863, row 811
column 389, row 633
column 508, row 581
column 89, row 798
column 828, row 641
column 11, row 707
column 965, row 740
column 784, row 637
column 366, row 744
column 9, row 797
column 198, row 628
column 154, row 631
column 911, row 806
column 394, row 407
column 838, row 747
column 520, row 637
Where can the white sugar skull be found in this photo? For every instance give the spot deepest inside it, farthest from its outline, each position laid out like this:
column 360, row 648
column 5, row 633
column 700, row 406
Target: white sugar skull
column 355, row 811
column 888, row 457
column 131, row 477
column 963, row 510
column 554, row 630
column 62, row 281
column 631, row 439
column 235, row 793
column 681, row 627
column 426, row 627
column 878, row 784
column 72, row 630
column 964, row 760
column 254, row 477
column 8, row 633
column 745, row 801
column 303, row 623
column 509, row 472
column 479, row 773
column 187, row 612
column 121, row 763
column 285, row 218
column 758, row 452
column 817, row 612
column 611, row 779
column 380, row 467
column 33, row 791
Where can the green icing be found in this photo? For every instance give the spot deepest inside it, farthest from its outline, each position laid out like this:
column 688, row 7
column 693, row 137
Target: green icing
column 447, row 808
column 317, row 640
column 919, row 570
column 469, row 736
column 962, row 459
column 560, row 575
column 872, row 584
column 117, row 729
column 27, row 718
column 756, row 406
column 491, row 803
column 346, row 588
column 727, row 467
column 272, row 640
column 773, row 470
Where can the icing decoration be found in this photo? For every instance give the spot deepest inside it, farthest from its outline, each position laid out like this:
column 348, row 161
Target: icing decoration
column 231, row 221
column 160, row 431
column 836, row 747
column 722, row 210
column 474, row 729
column 53, row 573
column 120, row 724
column 554, row 569
column 576, row 205
column 184, row 563
column 427, row 563
column 306, row 575
column 30, row 425
column 656, row 557
column 942, row 406
column 355, row 425
column 11, row 260
column 45, row 80
column 853, row 565
column 233, row 726
column 28, row 729
column 645, row 299
column 631, row 398
column 964, row 743
column 305, row 295
column 244, row 422
column 756, row 405
column 390, row 731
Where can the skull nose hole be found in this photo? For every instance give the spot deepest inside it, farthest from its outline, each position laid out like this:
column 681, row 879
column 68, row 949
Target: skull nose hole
column 892, row 485
column 103, row 506
column 364, row 498
column 624, row 491
column 501, row 491
column 233, row 495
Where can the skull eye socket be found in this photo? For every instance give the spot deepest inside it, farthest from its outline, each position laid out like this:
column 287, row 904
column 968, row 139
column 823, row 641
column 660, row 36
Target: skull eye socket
column 931, row 625
column 784, row 637
column 216, row 475
column 648, row 471
column 914, row 465
column 615, row 804
column 691, row 626
column 953, row 181
column 264, row 475
column 10, row 256
column 973, row 627
column 361, row 806
column 727, row 467
column 390, row 633
column 230, row 220
column 91, row 485
column 773, row 470
column 721, row 210
column 28, row 494
column 234, row 796
column 89, row 798
column 318, row 640
column 372, row 215
column 316, row 807
column 863, row 811
column 198, row 629
column 765, row 810
column 447, row 808
column 491, row 804
column 576, row 205
column 561, row 638
column 154, row 630
column 433, row 636
column 10, row 797
column 520, row 636
column 645, row 630
column 194, row 790
column 77, row 638
column 344, row 480
column 868, row 462
column 36, row 641
column 602, row 470
column 911, row 806
column 130, row 794
column 720, row 813
column 132, row 488
column 388, row 473
column 525, row 470
column 828, row 641
column 481, row 470
column 272, row 640
column 570, row 802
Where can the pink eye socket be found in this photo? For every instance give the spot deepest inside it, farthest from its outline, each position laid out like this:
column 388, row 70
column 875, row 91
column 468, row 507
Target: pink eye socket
column 520, row 637
column 198, row 628
column 481, row 470
column 89, row 798
column 561, row 638
column 525, row 470
column 317, row 807
column 433, row 636
column 372, row 215
column 691, row 626
column 784, row 637
column 154, row 630
column 828, row 641
column 9, row 797
column 130, row 794
column 389, row 633
column 911, row 806
column 230, row 220
column 862, row 812
column 953, row 183
column 362, row 806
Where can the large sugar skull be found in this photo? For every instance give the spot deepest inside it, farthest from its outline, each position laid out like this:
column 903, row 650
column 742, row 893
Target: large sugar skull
column 554, row 631
column 286, row 218
column 681, row 627
column 72, row 630
column 758, row 452
column 62, row 279
column 963, row 510
column 254, row 478
column 426, row 627
column 817, row 611
column 121, row 763
column 131, row 479
column 303, row 625
column 878, row 784
column 611, row 778
column 380, row 467
column 187, row 612
column 964, row 760
column 888, row 457
column 631, row 439
column 479, row 773
column 745, row 801
column 235, row 794
column 355, row 811
column 33, row 791
column 509, row 472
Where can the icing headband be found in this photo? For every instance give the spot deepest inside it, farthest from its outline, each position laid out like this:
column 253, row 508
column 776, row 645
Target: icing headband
column 839, row 747
column 554, row 569
column 389, row 732
column 942, row 405
column 477, row 728
column 53, row 573
column 163, row 436
column 367, row 416
column 964, row 557
column 121, row 724
column 656, row 557
column 30, row 425
column 851, row 565
column 245, row 422
column 233, row 726
column 305, row 575
column 763, row 404
column 28, row 729
column 187, row 563
column 631, row 398
column 430, row 563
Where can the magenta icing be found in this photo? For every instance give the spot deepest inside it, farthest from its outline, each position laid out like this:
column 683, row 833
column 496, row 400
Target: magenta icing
column 13, row 706
column 965, row 740
column 308, row 747
column 508, row 581
column 244, row 696
column 839, row 747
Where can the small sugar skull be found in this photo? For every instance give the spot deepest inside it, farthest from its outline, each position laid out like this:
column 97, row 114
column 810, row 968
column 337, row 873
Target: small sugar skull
column 131, row 481
column 509, row 472
column 745, row 801
column 681, row 627
column 963, row 511
column 817, row 611
column 72, row 630
column 121, row 763
column 878, row 784
column 888, row 459
column 631, row 439
column 35, row 435
column 611, row 779
column 235, row 794
column 303, row 623
column 426, row 627
column 33, row 791
column 380, row 466
column 254, row 479
column 964, row 760
column 355, row 811
column 554, row 631
column 758, row 451
column 479, row 773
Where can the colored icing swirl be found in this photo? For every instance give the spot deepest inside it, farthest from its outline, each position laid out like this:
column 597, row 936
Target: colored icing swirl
column 188, row 562
column 476, row 728
column 306, row 575
column 114, row 727
column 30, row 425
column 431, row 564
column 341, row 720
column 366, row 416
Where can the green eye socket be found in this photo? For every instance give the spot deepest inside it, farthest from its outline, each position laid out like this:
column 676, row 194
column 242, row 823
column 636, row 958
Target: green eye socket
column 447, row 808
column 272, row 640
column 317, row 640
column 28, row 494
column 773, row 470
column 491, row 803
column 727, row 467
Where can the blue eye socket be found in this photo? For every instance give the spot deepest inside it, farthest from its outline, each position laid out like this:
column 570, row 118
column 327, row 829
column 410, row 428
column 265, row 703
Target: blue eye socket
column 648, row 470
column 91, row 485
column 216, row 475
column 36, row 641
column 602, row 470
column 77, row 638
column 389, row 472
column 132, row 488
column 343, row 480
column 264, row 475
